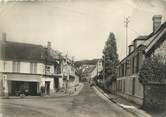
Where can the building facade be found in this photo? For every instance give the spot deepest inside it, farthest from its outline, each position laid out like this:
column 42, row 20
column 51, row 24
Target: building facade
column 127, row 84
column 32, row 68
column 26, row 67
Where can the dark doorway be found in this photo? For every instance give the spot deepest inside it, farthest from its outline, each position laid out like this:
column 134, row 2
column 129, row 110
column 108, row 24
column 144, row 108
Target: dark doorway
column 33, row 88
column 30, row 87
column 47, row 87
column 56, row 83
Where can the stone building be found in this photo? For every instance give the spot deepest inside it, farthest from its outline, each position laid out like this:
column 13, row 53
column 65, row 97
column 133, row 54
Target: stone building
column 69, row 77
column 127, row 84
column 31, row 67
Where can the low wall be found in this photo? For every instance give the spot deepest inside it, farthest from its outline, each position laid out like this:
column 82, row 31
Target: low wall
column 155, row 97
column 129, row 87
column 131, row 98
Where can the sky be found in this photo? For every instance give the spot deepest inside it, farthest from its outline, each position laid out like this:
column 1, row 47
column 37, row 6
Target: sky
column 79, row 28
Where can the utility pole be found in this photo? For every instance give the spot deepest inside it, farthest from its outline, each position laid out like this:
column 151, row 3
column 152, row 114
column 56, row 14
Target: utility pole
column 126, row 27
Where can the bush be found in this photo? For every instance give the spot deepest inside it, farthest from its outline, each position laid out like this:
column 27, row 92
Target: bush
column 153, row 70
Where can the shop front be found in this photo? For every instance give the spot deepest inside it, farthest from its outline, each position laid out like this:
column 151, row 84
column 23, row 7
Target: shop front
column 23, row 83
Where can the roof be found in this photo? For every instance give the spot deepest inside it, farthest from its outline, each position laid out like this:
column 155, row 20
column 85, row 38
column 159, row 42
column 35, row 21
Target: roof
column 88, row 69
column 151, row 40
column 141, row 37
column 153, row 36
column 17, row 51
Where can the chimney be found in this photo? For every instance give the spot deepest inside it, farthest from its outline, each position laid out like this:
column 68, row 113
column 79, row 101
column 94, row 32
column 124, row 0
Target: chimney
column 156, row 22
column 49, row 44
column 3, row 36
column 131, row 48
column 49, row 47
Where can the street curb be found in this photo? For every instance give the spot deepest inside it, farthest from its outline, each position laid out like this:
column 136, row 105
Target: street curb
column 111, row 99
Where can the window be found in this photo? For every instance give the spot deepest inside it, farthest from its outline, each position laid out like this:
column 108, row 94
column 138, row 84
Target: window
column 126, row 67
column 16, row 66
column 133, row 86
column 124, row 85
column 33, row 68
column 48, row 69
column 137, row 63
column 133, row 65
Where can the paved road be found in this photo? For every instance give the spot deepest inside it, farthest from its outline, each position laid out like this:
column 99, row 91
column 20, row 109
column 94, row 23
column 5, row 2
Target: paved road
column 86, row 104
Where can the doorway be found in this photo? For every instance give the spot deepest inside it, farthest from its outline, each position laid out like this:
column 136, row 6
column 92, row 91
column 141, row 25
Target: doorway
column 47, row 88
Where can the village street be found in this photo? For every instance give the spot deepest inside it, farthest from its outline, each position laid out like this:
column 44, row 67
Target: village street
column 86, row 104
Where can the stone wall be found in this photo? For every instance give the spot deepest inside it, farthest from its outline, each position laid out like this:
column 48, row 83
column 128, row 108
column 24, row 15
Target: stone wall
column 155, row 96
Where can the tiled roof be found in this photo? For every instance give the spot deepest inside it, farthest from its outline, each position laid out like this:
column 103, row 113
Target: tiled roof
column 153, row 36
column 17, row 51
column 151, row 39
column 21, row 51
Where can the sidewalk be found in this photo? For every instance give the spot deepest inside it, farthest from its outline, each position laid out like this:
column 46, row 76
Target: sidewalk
column 59, row 94
column 126, row 105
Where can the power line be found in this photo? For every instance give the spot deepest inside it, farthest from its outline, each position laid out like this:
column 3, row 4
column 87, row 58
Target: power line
column 134, row 31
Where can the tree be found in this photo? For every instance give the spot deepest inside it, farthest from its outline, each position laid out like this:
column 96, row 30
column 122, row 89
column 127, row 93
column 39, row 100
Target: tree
column 153, row 70
column 110, row 58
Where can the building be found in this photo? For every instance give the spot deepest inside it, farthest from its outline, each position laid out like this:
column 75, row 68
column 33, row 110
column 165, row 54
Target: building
column 28, row 67
column 127, row 84
column 69, row 77
column 96, row 71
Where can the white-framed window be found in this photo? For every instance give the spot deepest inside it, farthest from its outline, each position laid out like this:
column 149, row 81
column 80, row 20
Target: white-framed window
column 48, row 69
column 33, row 68
column 16, row 66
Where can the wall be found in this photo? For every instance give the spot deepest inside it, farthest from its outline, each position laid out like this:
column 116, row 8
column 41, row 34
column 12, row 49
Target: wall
column 1, row 85
column 130, row 88
column 24, row 67
column 155, row 97
column 51, row 80
column 40, row 68
column 8, row 66
column 1, row 66
column 94, row 73
column 60, row 82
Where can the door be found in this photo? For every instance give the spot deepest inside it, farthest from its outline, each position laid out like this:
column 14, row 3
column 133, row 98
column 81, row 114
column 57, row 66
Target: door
column 56, row 83
column 47, row 87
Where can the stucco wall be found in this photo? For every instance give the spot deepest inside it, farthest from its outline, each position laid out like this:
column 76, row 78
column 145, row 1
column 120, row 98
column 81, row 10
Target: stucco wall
column 7, row 67
column 40, row 68
column 130, row 88
column 24, row 67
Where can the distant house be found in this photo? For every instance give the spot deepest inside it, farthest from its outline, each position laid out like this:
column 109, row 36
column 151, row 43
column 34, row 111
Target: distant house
column 68, row 73
column 86, row 72
column 127, row 84
column 26, row 66
column 97, row 70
